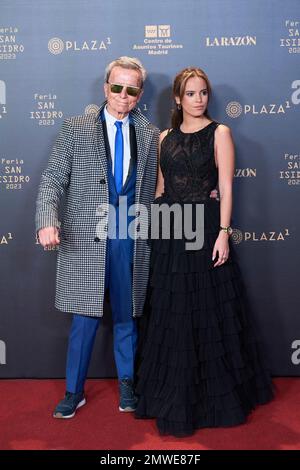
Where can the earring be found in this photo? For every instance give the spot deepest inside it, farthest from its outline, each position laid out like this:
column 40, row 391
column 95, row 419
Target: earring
column 179, row 107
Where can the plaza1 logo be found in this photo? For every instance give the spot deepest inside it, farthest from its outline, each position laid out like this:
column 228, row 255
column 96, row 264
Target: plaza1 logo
column 238, row 236
column 58, row 46
column 143, row 107
column 9, row 45
column 291, row 173
column 3, row 110
column 295, row 357
column 5, row 238
column 291, row 42
column 45, row 111
column 234, row 109
column 2, row 352
column 157, row 40
column 94, row 108
column 12, row 176
column 91, row 109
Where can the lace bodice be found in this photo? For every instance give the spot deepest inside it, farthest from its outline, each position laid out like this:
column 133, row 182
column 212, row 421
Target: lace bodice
column 188, row 164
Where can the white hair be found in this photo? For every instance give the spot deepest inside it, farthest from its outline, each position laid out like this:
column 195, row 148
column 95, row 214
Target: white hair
column 127, row 63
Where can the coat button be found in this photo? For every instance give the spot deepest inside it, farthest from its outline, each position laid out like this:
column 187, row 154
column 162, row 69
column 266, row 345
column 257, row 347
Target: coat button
column 97, row 239
column 102, row 181
column 100, row 211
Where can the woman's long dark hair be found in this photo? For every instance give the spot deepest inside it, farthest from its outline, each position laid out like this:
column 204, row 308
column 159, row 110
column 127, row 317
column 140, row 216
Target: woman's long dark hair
column 179, row 89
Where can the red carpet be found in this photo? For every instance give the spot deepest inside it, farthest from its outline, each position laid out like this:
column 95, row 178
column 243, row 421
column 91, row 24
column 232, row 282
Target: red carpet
column 26, row 422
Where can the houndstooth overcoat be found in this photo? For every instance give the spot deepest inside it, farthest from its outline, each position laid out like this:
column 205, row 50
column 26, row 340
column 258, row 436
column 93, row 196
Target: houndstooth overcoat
column 77, row 173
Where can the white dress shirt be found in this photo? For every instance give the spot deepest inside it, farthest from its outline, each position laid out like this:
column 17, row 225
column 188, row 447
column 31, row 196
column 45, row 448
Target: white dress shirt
column 111, row 133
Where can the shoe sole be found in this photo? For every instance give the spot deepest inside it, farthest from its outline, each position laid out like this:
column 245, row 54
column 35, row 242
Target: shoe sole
column 128, row 409
column 61, row 416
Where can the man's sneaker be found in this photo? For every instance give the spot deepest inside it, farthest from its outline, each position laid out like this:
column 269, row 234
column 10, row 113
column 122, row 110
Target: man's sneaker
column 68, row 406
column 128, row 400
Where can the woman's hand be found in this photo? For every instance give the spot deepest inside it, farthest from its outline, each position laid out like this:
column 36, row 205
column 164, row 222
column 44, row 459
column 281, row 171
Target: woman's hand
column 221, row 248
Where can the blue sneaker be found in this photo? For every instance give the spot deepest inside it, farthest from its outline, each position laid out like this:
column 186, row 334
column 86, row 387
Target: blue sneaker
column 68, row 406
column 128, row 400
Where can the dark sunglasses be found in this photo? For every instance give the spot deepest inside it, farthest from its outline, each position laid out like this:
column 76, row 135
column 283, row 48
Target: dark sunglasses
column 130, row 90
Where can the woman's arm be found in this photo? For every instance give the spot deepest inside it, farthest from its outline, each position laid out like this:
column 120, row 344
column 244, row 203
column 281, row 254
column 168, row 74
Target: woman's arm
column 160, row 179
column 224, row 154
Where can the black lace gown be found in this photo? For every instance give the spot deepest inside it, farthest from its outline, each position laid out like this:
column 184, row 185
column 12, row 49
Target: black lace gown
column 198, row 360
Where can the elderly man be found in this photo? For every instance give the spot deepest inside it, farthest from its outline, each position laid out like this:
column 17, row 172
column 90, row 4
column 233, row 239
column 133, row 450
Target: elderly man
column 95, row 160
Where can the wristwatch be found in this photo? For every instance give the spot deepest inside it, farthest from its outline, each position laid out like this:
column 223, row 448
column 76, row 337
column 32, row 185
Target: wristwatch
column 226, row 229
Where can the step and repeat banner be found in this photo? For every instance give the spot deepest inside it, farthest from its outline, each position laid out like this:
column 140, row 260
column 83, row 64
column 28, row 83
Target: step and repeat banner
column 52, row 59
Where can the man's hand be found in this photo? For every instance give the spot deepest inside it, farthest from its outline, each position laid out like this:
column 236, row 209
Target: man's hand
column 49, row 236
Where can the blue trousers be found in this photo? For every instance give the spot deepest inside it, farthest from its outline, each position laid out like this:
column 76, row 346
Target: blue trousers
column 118, row 280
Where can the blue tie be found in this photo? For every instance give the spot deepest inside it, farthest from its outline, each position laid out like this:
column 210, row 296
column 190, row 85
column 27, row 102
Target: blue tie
column 119, row 150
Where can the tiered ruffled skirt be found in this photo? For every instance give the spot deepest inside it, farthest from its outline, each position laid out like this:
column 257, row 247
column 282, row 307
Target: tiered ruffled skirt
column 198, row 362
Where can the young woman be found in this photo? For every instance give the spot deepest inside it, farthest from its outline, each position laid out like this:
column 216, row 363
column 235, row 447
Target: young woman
column 199, row 362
